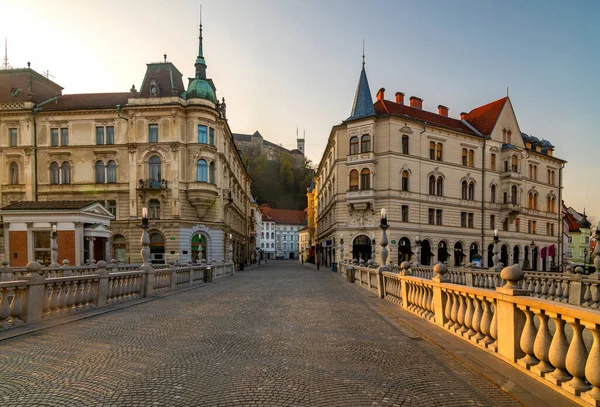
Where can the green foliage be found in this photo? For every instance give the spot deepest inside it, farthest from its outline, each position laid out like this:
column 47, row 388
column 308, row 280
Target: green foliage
column 279, row 182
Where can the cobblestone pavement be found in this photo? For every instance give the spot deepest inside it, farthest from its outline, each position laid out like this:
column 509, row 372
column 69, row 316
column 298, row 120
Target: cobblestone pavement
column 278, row 335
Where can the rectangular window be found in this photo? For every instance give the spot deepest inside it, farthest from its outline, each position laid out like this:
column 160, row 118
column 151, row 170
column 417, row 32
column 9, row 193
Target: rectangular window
column 505, row 225
column 404, row 144
column 438, row 217
column 202, row 134
column 153, row 133
column 438, row 151
column 431, row 150
column 570, row 239
column 12, row 137
column 404, row 213
column 470, row 220
column 463, row 219
column 431, row 216
column 110, row 135
column 492, row 222
column 534, row 227
column 464, row 157
column 99, row 135
column 212, row 136
column 471, row 158
column 548, row 229
column 529, row 228
column 112, row 207
column 41, row 246
column 517, row 225
column 493, row 162
column 64, row 137
column 54, row 137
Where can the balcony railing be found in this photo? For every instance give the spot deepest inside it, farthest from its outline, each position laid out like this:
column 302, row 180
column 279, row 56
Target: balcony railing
column 511, row 175
column 360, row 194
column 152, row 184
column 511, row 207
column 361, row 158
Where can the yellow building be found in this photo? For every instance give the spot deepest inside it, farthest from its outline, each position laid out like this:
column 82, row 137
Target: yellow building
column 446, row 184
column 162, row 147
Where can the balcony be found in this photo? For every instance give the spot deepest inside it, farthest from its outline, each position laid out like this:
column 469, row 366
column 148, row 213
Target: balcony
column 510, row 207
column 511, row 176
column 361, row 199
column 152, row 184
column 361, row 158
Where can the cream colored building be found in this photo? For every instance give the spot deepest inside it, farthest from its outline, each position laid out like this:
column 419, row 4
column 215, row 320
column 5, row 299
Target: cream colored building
column 445, row 182
column 163, row 147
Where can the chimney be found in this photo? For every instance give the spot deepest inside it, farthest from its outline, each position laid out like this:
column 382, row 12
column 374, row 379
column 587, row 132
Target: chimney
column 442, row 110
column 380, row 93
column 400, row 98
column 416, row 102
column 463, row 115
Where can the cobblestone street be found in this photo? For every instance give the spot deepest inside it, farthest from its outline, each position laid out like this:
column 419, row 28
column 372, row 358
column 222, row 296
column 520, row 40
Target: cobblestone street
column 277, row 335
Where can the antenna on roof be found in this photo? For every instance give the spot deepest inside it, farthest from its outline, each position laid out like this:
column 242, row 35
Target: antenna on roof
column 47, row 74
column 507, row 91
column 5, row 65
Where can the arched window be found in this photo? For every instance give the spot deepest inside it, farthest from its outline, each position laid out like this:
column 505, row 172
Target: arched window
column 211, row 173
column 504, row 136
column 431, row 185
column 535, row 201
column 464, row 188
column 553, row 206
column 365, row 143
column 471, row 191
column 493, row 193
column 354, row 145
column 549, row 203
column 354, row 180
column 405, row 179
column 514, row 196
column 119, row 247
column 365, row 179
column 111, row 172
column 154, row 209
column 202, row 171
column 54, row 173
column 99, row 172
column 440, row 186
column 65, row 173
column 508, row 137
column 155, row 169
column 13, row 173
column 272, row 235
column 530, row 200
column 514, row 164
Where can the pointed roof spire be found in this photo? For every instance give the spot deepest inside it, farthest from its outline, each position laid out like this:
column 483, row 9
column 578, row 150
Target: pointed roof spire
column 363, row 101
column 200, row 58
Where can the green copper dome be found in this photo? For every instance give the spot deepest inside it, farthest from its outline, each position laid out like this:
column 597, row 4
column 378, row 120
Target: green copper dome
column 201, row 89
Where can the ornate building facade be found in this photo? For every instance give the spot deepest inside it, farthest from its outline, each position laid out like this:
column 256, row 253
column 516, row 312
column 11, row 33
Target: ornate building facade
column 163, row 147
column 446, row 183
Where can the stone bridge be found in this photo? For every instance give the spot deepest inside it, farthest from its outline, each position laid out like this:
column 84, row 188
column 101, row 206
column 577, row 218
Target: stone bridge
column 280, row 335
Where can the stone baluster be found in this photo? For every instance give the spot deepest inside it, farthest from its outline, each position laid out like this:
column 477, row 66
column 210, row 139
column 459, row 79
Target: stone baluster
column 541, row 345
column 486, row 322
column 429, row 303
column 494, row 330
column 462, row 309
column 576, row 358
column 16, row 307
column 477, row 317
column 592, row 366
column 70, row 300
column 528, row 339
column 469, row 317
column 587, row 297
column 454, row 315
column 448, row 309
column 4, row 309
column 558, row 351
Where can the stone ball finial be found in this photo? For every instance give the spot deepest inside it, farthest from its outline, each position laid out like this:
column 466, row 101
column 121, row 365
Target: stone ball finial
column 512, row 275
column 579, row 270
column 440, row 269
column 33, row 267
column 569, row 269
column 101, row 264
column 66, row 263
column 5, row 263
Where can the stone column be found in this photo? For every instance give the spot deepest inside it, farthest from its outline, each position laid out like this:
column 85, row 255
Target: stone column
column 439, row 302
column 6, row 241
column 35, row 294
column 107, row 256
column 78, row 243
column 91, row 248
column 509, row 318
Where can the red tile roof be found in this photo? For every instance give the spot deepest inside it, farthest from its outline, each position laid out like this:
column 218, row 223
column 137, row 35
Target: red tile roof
column 484, row 118
column 89, row 101
column 287, row 216
column 572, row 222
column 385, row 107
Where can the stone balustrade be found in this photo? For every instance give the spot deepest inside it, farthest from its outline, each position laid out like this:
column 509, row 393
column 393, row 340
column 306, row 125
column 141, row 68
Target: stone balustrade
column 530, row 320
column 37, row 293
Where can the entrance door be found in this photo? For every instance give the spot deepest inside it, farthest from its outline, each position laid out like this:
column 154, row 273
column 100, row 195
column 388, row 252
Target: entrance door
column 458, row 254
column 490, row 255
column 426, row 253
column 404, row 251
column 504, row 255
column 157, row 248
column 442, row 251
column 198, row 247
column 361, row 249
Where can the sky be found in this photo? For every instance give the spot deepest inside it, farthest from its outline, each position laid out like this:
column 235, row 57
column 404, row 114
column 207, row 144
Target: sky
column 288, row 64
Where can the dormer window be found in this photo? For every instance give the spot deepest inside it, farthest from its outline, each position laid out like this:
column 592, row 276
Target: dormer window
column 153, row 88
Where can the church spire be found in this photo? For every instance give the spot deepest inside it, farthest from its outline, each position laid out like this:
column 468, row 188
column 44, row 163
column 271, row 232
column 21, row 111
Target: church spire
column 200, row 62
column 363, row 102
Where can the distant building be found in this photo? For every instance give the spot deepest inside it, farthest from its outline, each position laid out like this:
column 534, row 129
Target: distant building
column 579, row 249
column 255, row 229
column 281, row 228
column 245, row 142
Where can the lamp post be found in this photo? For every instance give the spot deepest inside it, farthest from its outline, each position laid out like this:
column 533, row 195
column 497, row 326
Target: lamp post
column 417, row 251
column 496, row 250
column 384, row 240
column 145, row 240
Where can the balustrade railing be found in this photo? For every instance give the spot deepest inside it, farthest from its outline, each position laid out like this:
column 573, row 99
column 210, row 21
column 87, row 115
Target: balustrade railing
column 531, row 320
column 35, row 293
